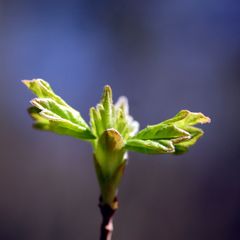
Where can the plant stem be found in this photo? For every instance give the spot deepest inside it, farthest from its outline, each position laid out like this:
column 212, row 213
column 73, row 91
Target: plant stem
column 107, row 212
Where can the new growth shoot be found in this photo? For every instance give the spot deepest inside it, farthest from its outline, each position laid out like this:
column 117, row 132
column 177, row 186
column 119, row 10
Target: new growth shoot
column 112, row 133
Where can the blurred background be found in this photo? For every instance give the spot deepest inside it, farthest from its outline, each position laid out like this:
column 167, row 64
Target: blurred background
column 165, row 56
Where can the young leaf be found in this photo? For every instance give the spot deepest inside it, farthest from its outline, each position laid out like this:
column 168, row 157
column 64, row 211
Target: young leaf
column 124, row 122
column 149, row 146
column 187, row 118
column 178, row 130
column 96, row 120
column 42, row 89
column 182, row 147
column 51, row 113
column 106, row 115
column 40, row 122
column 107, row 104
column 162, row 131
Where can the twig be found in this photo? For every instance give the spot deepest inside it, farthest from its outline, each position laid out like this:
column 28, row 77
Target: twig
column 107, row 219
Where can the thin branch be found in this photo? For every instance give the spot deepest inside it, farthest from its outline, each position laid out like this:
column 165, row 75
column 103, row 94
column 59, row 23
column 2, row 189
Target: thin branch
column 107, row 212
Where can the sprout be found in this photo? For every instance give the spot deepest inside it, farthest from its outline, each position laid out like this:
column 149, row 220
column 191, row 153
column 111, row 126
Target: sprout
column 112, row 133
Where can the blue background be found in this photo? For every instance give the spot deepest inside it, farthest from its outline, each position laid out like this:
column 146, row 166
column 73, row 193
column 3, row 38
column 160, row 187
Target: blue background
column 165, row 56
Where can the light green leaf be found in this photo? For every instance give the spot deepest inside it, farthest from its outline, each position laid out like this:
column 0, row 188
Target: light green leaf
column 179, row 130
column 95, row 121
column 42, row 89
column 60, row 110
column 40, row 122
column 149, row 146
column 107, row 110
column 51, row 113
column 182, row 147
column 187, row 118
column 106, row 115
column 124, row 122
column 101, row 117
column 162, row 131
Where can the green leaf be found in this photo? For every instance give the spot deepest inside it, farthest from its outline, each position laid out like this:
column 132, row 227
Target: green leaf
column 179, row 130
column 46, row 120
column 162, row 131
column 95, row 121
column 59, row 110
column 124, row 122
column 187, row 118
column 183, row 147
column 40, row 122
column 107, row 115
column 101, row 117
column 107, row 109
column 51, row 113
column 149, row 146
column 42, row 89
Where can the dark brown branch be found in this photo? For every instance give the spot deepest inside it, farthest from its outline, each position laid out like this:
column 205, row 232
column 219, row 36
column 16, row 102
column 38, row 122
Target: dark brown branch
column 107, row 212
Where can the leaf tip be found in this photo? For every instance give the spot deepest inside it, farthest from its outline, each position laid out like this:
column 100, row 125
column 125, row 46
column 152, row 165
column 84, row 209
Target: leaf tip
column 204, row 119
column 107, row 93
column 26, row 83
column 92, row 109
column 107, row 88
column 207, row 120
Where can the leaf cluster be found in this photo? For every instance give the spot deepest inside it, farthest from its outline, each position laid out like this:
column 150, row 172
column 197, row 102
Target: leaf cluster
column 51, row 113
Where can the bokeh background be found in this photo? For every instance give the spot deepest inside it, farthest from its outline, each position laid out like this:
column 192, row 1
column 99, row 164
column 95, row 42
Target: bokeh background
column 165, row 56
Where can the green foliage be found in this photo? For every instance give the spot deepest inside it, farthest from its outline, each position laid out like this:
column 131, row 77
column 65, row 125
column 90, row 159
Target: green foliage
column 51, row 113
column 150, row 146
column 112, row 131
column 107, row 115
column 178, row 130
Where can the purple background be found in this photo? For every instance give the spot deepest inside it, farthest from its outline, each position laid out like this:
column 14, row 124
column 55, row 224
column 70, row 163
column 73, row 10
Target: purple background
column 163, row 55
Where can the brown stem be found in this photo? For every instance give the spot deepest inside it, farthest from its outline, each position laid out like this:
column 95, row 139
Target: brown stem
column 107, row 212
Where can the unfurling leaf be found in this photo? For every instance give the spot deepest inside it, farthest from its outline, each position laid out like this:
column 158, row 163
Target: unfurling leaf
column 112, row 132
column 162, row 131
column 107, row 115
column 179, row 130
column 124, row 122
column 182, row 147
column 51, row 113
column 107, row 107
column 187, row 118
column 149, row 146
